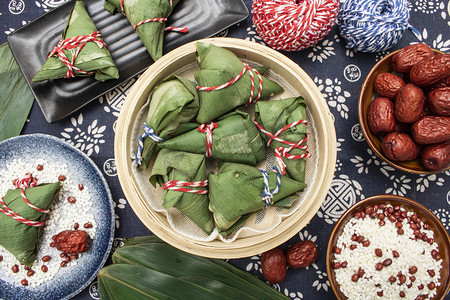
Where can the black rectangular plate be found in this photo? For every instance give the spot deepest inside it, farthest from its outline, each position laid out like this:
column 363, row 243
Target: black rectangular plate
column 59, row 98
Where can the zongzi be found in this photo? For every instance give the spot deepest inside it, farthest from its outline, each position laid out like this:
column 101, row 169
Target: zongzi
column 225, row 82
column 183, row 177
column 80, row 52
column 173, row 103
column 22, row 218
column 283, row 123
column 237, row 189
column 148, row 18
column 233, row 138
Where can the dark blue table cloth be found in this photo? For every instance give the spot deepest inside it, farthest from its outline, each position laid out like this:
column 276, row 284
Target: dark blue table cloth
column 338, row 72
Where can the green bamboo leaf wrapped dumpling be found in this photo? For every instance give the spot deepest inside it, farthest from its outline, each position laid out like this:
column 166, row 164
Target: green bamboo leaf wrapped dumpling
column 136, row 11
column 237, row 190
column 219, row 66
column 273, row 116
column 173, row 104
column 171, row 166
column 18, row 238
column 93, row 57
column 235, row 138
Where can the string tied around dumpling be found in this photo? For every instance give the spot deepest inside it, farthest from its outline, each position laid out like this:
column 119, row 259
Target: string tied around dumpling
column 160, row 20
column 186, row 186
column 267, row 194
column 23, row 184
column 149, row 132
column 239, row 76
column 281, row 152
column 293, row 25
column 207, row 128
column 70, row 44
column 373, row 25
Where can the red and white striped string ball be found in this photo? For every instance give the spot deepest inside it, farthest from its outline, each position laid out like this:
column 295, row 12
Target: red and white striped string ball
column 293, row 25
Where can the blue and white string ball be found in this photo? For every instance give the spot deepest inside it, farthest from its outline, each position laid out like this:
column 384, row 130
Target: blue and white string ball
column 373, row 25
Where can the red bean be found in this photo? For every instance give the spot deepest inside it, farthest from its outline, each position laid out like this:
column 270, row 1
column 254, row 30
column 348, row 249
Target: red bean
column 354, row 237
column 71, row 200
column 337, row 250
column 62, row 255
column 87, row 225
column 431, row 273
column 353, row 247
column 44, row 268
column 381, row 216
column 392, row 279
column 398, row 224
column 80, row 187
column 344, row 264
column 39, row 167
column 336, row 265
column 360, row 272
column 412, row 270
column 381, row 223
column 24, row 282
column 366, row 243
column 402, row 279
column 63, row 263
column 412, row 278
column 360, row 239
column 368, row 210
column 431, row 285
column 355, row 277
column 380, row 293
column 420, row 287
column 15, row 268
column 402, row 294
column 46, row 258
column 387, row 262
column 400, row 231
column 52, row 244
column 61, row 177
column 378, row 252
column 30, row 273
column 379, row 266
column 395, row 253
column 1, row 258
column 76, row 226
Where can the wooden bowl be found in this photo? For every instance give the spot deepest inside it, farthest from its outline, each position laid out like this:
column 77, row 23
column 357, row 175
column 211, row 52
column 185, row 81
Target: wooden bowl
column 295, row 78
column 441, row 237
column 366, row 95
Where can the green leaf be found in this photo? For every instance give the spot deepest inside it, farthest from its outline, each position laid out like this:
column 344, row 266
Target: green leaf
column 16, row 98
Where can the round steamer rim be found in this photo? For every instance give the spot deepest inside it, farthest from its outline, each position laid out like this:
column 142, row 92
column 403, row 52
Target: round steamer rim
column 242, row 247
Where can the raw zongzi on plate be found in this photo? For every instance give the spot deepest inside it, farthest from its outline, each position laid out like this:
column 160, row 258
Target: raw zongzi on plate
column 22, row 219
column 80, row 52
column 148, row 18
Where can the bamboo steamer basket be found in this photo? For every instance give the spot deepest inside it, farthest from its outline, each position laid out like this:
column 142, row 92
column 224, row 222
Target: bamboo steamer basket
column 297, row 79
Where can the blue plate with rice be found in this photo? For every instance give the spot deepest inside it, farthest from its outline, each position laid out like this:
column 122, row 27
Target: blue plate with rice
column 70, row 280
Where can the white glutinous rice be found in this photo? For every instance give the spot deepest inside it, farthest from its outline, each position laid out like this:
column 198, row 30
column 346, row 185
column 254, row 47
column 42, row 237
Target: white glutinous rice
column 378, row 258
column 63, row 216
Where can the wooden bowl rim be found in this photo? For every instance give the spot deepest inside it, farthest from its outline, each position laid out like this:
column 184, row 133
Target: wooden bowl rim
column 402, row 201
column 362, row 118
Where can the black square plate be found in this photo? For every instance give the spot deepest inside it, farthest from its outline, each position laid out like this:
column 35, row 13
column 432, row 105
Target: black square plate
column 59, row 98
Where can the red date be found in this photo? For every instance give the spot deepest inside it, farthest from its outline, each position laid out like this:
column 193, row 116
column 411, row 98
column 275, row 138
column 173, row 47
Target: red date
column 302, row 254
column 273, row 263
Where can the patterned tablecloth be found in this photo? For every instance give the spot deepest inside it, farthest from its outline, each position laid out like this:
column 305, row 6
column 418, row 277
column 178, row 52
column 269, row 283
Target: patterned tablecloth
column 338, row 72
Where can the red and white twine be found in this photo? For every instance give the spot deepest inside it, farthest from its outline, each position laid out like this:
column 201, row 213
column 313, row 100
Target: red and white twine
column 28, row 181
column 281, row 152
column 207, row 129
column 239, row 76
column 160, row 20
column 186, row 186
column 293, row 25
column 71, row 44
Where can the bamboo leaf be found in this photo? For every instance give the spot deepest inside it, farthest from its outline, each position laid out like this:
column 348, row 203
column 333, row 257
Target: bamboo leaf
column 16, row 98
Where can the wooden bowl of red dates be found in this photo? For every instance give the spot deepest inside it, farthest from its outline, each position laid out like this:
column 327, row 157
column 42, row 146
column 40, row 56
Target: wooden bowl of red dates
column 389, row 247
column 404, row 109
